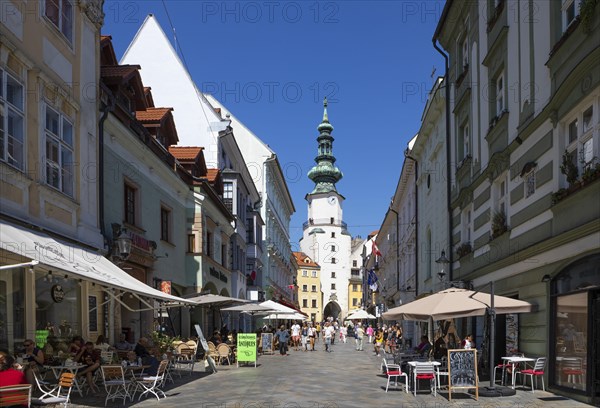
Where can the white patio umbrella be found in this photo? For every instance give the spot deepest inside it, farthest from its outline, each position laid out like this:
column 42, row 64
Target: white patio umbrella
column 281, row 309
column 215, row 300
column 285, row 316
column 360, row 314
column 250, row 308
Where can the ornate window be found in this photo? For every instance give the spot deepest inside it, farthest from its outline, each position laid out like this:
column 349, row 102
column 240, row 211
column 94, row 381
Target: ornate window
column 12, row 125
column 59, row 151
column 60, row 13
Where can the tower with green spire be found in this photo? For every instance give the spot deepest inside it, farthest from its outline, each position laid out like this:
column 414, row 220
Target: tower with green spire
column 325, row 174
column 325, row 236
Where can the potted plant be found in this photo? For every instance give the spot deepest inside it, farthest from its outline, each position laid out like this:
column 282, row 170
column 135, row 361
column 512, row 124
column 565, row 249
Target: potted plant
column 499, row 226
column 163, row 342
column 569, row 169
column 463, row 249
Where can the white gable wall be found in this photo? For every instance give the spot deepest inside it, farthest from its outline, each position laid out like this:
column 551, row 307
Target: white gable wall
column 162, row 70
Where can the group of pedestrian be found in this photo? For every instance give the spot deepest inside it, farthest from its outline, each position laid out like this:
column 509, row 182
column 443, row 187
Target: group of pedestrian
column 304, row 337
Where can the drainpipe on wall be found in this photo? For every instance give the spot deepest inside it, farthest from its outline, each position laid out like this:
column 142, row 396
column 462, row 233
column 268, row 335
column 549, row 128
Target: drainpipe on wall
column 108, row 107
column 448, row 158
column 408, row 156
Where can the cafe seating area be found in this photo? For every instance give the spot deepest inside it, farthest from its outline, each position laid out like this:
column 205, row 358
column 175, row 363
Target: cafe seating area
column 419, row 369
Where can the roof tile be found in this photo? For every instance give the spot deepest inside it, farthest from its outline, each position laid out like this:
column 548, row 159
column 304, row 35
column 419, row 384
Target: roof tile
column 185, row 152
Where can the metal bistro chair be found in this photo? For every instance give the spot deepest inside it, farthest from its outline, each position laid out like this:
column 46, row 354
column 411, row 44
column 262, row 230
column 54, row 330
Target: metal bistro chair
column 573, row 369
column 14, row 395
column 537, row 371
column 224, row 352
column 504, row 366
column 394, row 371
column 61, row 394
column 186, row 359
column 151, row 384
column 425, row 371
column 115, row 384
column 441, row 371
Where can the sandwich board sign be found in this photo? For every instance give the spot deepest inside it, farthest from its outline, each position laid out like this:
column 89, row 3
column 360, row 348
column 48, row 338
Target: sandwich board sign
column 246, row 348
column 209, row 360
column 462, row 371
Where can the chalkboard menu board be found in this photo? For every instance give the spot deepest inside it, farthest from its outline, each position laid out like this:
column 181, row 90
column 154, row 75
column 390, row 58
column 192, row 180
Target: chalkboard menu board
column 462, row 371
column 267, row 342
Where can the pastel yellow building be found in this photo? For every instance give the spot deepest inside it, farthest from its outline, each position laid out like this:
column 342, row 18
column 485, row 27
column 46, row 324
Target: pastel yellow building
column 310, row 296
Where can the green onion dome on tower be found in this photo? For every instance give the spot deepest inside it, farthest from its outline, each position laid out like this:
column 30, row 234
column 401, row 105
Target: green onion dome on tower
column 325, row 174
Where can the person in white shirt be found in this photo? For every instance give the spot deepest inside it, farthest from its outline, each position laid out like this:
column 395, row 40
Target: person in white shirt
column 295, row 335
column 468, row 342
column 328, row 333
column 312, row 333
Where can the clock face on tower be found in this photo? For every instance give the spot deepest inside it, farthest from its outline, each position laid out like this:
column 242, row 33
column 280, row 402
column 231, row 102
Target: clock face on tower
column 332, row 200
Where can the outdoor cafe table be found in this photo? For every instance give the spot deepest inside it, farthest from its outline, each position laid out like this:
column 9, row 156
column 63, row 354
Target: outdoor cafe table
column 513, row 361
column 413, row 364
column 71, row 368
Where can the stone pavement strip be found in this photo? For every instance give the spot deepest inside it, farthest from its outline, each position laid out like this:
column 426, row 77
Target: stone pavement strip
column 343, row 378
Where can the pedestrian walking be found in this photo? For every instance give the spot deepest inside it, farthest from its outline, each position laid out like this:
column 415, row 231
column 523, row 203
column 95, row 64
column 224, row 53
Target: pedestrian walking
column 312, row 333
column 304, row 333
column 328, row 335
column 343, row 332
column 283, row 336
column 295, row 335
column 370, row 332
column 359, row 334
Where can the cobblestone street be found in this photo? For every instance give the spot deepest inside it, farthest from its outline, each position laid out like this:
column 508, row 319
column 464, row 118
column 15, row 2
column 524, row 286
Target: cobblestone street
column 343, row 378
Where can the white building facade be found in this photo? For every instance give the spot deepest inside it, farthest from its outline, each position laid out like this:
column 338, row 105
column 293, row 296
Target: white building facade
column 272, row 269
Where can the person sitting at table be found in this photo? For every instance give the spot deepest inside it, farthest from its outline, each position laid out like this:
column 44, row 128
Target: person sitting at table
column 216, row 338
column 439, row 349
column 101, row 344
column 131, row 359
column 424, row 346
column 142, row 352
column 468, row 343
column 123, row 344
column 8, row 374
column 34, row 359
column 76, row 345
column 90, row 357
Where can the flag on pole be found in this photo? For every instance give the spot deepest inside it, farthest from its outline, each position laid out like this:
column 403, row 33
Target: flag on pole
column 375, row 250
column 372, row 280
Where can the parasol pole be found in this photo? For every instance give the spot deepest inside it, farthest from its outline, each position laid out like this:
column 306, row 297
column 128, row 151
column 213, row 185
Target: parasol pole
column 492, row 312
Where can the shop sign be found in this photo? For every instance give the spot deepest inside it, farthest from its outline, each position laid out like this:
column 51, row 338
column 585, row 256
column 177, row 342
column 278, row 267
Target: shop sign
column 165, row 287
column 217, row 274
column 57, row 293
column 246, row 347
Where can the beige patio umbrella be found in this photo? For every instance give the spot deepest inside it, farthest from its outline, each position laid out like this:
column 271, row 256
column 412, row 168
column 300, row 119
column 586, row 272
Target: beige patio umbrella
column 453, row 303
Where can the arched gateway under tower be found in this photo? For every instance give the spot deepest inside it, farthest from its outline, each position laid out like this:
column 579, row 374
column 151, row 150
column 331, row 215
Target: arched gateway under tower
column 332, row 309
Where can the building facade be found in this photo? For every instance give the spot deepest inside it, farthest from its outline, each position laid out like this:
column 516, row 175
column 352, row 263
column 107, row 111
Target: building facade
column 266, row 259
column 48, row 145
column 325, row 236
column 309, row 294
column 355, row 283
column 199, row 124
column 524, row 133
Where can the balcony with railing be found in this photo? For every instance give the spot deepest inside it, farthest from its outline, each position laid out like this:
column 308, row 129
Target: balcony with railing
column 320, row 222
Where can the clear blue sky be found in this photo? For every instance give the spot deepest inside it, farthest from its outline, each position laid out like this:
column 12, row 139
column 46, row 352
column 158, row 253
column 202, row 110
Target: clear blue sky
column 272, row 62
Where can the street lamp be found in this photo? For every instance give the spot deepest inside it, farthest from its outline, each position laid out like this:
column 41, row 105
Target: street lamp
column 442, row 261
column 122, row 243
